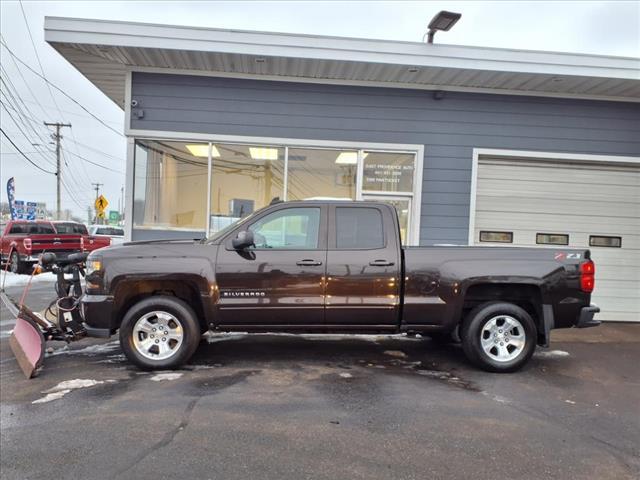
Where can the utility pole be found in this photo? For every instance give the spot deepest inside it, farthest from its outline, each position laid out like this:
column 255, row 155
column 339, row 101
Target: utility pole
column 57, row 137
column 96, row 187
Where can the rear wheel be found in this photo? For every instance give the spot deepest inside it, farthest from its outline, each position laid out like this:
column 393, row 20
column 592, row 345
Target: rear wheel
column 499, row 337
column 15, row 265
column 159, row 332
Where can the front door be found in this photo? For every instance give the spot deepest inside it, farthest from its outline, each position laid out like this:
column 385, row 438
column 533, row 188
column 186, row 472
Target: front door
column 363, row 268
column 279, row 282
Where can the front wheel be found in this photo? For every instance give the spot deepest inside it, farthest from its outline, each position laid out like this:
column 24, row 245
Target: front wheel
column 499, row 337
column 159, row 332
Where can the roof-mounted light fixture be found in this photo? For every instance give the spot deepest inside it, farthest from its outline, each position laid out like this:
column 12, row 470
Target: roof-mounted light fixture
column 442, row 21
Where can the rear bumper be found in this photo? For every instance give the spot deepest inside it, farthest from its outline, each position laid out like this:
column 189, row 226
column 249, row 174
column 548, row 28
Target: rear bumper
column 35, row 256
column 98, row 313
column 586, row 319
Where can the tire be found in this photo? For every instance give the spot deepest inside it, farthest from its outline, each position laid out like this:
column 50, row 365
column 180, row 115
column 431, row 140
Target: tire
column 15, row 265
column 492, row 347
column 151, row 348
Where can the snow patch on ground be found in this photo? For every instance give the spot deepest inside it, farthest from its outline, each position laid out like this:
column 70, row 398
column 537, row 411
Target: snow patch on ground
column 551, row 354
column 395, row 353
column 89, row 350
column 67, row 386
column 346, row 375
column 166, row 376
column 17, row 280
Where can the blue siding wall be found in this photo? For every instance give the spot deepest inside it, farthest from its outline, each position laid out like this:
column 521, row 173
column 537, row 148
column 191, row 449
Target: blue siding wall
column 449, row 128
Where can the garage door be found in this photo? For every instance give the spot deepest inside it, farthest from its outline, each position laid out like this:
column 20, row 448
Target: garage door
column 582, row 205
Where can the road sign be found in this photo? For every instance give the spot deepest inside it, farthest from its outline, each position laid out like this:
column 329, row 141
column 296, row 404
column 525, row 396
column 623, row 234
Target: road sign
column 101, row 205
column 100, row 214
column 114, row 217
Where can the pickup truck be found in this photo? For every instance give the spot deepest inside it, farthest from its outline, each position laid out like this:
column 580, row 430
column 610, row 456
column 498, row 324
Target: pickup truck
column 90, row 242
column 333, row 267
column 23, row 241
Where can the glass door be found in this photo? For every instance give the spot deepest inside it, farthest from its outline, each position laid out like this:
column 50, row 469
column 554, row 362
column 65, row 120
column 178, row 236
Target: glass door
column 402, row 206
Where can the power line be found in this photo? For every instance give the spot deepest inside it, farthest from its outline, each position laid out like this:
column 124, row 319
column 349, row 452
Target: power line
column 23, row 154
column 35, row 50
column 96, row 164
column 60, row 90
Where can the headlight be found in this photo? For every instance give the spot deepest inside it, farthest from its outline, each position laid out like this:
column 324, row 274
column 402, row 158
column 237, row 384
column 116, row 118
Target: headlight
column 94, row 264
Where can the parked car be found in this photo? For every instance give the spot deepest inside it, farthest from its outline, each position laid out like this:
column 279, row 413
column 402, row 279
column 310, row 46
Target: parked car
column 23, row 241
column 91, row 242
column 116, row 234
column 333, row 267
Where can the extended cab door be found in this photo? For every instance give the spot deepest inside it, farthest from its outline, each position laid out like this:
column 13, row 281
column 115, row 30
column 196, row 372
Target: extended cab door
column 363, row 267
column 280, row 281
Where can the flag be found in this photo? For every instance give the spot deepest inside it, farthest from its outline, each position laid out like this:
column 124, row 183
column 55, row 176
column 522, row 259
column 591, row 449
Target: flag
column 11, row 191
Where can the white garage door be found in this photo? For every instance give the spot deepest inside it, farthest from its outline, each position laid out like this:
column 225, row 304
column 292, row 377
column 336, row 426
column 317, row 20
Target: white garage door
column 582, row 205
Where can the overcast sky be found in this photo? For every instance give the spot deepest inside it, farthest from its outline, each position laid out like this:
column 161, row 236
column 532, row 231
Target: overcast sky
column 597, row 27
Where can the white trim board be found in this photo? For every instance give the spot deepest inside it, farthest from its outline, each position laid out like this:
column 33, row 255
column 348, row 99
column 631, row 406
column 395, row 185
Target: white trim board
column 527, row 155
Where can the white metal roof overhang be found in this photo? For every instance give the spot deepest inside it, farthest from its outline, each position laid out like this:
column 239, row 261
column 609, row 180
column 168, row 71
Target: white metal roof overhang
column 104, row 51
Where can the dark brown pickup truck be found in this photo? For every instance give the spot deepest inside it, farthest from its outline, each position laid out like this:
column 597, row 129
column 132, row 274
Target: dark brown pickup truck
column 333, row 267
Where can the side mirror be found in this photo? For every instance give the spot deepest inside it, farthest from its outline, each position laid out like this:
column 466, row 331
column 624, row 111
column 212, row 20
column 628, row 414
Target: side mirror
column 243, row 240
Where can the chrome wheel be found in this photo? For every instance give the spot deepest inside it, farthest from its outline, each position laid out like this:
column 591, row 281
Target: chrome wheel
column 503, row 338
column 157, row 335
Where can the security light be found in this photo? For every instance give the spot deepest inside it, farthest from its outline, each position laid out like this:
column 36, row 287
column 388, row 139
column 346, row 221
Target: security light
column 442, row 21
column 202, row 150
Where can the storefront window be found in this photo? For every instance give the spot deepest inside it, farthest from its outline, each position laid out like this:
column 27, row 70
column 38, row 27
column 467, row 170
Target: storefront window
column 388, row 172
column 244, row 178
column 170, row 185
column 321, row 174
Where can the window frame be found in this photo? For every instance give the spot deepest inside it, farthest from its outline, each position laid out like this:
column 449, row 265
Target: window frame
column 618, row 237
column 510, row 242
column 538, row 242
column 417, row 150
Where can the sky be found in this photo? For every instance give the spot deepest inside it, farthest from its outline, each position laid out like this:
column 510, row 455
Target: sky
column 593, row 27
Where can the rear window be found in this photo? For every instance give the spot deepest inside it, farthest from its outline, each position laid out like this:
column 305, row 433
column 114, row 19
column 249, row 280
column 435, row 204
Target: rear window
column 32, row 228
column 109, row 231
column 71, row 228
column 359, row 228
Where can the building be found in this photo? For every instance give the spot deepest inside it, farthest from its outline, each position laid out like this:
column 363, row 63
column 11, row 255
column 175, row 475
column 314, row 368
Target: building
column 472, row 145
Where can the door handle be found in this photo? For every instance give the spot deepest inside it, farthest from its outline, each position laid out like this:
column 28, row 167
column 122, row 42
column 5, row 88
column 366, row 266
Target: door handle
column 381, row 263
column 307, row 262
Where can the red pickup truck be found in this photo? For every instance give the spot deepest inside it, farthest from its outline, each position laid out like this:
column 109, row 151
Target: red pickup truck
column 23, row 241
column 91, row 242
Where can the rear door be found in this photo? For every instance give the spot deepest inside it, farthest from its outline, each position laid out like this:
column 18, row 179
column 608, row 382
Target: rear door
column 279, row 283
column 363, row 267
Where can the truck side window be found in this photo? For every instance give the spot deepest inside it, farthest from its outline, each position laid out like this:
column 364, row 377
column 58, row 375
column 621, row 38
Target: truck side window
column 358, row 227
column 291, row 228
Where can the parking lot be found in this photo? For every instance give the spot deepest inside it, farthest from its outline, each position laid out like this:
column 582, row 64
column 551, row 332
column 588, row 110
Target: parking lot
column 285, row 407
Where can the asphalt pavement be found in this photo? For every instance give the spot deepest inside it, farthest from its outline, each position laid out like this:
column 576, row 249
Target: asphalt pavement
column 323, row 407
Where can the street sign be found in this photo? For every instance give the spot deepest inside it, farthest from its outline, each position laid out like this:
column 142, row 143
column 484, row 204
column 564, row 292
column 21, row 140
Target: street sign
column 101, row 205
column 100, row 214
column 114, row 217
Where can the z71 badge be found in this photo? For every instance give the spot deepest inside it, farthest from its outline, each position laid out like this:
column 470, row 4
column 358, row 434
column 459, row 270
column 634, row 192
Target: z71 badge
column 568, row 256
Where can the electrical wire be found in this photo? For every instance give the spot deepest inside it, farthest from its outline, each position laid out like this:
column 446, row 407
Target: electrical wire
column 23, row 154
column 60, row 90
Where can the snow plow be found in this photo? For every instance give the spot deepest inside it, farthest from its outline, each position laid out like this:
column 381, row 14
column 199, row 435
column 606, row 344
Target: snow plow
column 60, row 321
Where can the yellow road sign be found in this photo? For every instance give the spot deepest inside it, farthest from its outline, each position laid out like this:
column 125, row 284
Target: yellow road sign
column 101, row 204
column 100, row 214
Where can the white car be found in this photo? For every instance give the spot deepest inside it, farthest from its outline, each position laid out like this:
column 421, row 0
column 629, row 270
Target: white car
column 115, row 233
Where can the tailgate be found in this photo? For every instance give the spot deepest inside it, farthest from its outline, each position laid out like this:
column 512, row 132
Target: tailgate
column 53, row 242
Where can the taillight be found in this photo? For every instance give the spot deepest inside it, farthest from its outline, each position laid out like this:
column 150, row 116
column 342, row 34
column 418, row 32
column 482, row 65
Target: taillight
column 27, row 243
column 587, row 276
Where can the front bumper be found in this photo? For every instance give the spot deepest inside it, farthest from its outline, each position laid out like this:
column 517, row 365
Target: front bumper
column 586, row 319
column 98, row 314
